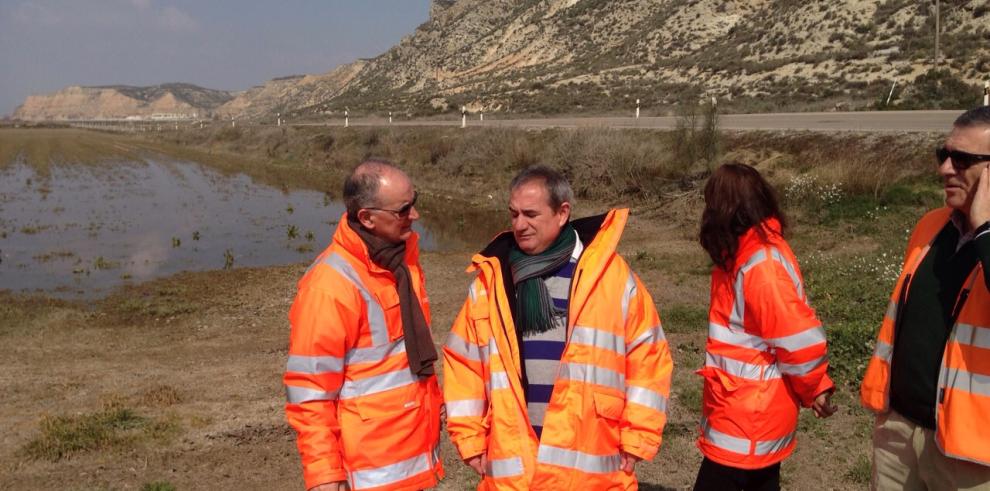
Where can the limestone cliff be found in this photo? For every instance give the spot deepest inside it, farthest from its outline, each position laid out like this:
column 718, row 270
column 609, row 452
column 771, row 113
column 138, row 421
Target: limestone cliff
column 119, row 102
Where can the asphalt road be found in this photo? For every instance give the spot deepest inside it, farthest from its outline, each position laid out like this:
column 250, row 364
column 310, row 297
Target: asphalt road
column 893, row 121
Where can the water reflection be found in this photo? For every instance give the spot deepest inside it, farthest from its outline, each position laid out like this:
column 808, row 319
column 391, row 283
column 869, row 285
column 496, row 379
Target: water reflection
column 87, row 229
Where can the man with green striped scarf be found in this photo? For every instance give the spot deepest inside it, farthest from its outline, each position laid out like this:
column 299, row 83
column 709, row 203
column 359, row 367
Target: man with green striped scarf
column 558, row 319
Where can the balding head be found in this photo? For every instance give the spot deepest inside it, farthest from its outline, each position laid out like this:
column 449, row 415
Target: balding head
column 382, row 199
column 361, row 187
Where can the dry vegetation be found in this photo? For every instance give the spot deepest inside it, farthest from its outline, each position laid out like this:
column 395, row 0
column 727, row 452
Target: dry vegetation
column 174, row 384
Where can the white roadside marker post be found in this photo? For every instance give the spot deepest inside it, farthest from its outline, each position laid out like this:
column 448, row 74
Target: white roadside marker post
column 891, row 92
column 986, row 93
column 463, row 117
column 390, row 117
column 637, row 108
column 346, row 118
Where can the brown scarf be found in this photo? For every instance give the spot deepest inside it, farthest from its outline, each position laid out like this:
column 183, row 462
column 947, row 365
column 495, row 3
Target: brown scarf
column 419, row 342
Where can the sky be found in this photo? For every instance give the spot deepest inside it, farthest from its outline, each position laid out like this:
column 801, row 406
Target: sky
column 46, row 45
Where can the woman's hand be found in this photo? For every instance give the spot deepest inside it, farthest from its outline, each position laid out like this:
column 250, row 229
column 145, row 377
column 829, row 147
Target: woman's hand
column 823, row 406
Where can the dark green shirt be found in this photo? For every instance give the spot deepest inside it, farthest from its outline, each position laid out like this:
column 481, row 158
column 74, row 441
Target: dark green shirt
column 926, row 320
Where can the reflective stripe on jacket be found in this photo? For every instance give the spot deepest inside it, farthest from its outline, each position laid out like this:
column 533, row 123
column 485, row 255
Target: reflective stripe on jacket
column 765, row 357
column 963, row 398
column 612, row 386
column 359, row 412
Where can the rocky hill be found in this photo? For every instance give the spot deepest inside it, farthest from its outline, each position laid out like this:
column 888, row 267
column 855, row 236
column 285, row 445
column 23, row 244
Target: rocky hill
column 571, row 56
column 574, row 55
column 121, row 101
column 296, row 92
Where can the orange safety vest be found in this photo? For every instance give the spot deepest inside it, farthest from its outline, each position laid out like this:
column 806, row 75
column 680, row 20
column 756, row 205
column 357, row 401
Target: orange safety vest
column 611, row 390
column 765, row 357
column 359, row 412
column 964, row 377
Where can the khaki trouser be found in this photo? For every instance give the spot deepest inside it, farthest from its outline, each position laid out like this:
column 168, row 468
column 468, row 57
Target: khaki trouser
column 906, row 457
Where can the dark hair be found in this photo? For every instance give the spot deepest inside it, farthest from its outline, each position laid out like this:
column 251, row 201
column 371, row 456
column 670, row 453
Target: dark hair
column 978, row 116
column 736, row 199
column 555, row 183
column 361, row 187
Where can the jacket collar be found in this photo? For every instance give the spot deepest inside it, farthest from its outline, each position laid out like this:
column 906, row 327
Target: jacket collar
column 599, row 233
column 588, row 230
column 351, row 242
column 771, row 229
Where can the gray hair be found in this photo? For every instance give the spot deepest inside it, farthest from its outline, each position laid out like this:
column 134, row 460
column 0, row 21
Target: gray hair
column 978, row 116
column 554, row 182
column 361, row 187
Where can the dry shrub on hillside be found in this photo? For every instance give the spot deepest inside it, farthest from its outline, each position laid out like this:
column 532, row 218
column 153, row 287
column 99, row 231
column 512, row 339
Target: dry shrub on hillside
column 861, row 165
column 495, row 153
column 609, row 164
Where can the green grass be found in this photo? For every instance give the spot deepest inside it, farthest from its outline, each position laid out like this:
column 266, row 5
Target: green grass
column 808, row 423
column 63, row 436
column 41, row 148
column 685, row 318
column 850, row 295
column 689, row 395
column 860, row 472
column 154, row 302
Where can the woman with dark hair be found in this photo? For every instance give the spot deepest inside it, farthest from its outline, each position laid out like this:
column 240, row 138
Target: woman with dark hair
column 766, row 354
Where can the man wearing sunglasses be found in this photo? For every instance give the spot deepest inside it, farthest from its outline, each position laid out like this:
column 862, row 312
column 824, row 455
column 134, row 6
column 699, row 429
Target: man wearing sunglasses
column 929, row 377
column 360, row 381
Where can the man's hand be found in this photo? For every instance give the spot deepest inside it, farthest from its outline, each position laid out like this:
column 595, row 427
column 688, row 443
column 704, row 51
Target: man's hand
column 479, row 463
column 823, row 406
column 979, row 211
column 443, row 414
column 331, row 486
column 629, row 462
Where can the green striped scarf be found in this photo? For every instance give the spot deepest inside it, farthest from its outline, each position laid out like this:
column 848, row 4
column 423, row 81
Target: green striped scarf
column 534, row 306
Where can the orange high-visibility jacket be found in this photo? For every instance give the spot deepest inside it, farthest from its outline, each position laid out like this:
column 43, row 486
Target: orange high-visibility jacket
column 359, row 413
column 964, row 378
column 765, row 357
column 611, row 390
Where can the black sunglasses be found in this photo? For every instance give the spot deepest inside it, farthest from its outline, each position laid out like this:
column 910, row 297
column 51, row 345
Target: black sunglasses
column 960, row 160
column 403, row 212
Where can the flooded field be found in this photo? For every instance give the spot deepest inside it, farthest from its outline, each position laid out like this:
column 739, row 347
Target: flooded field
column 82, row 230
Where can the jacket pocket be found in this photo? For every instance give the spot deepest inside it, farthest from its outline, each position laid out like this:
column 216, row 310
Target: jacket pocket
column 388, row 299
column 390, row 404
column 609, row 406
column 605, row 430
